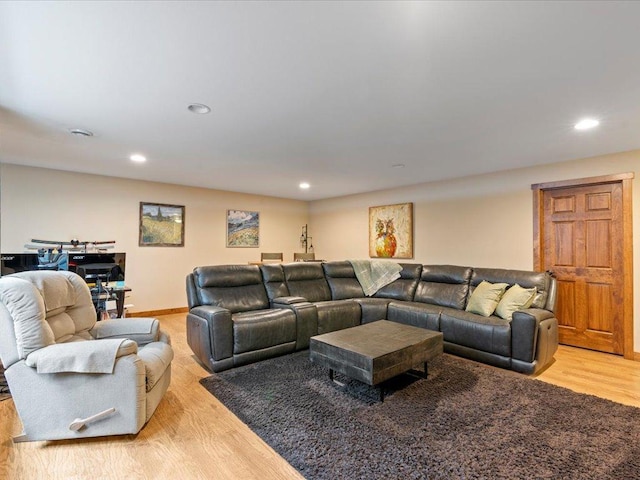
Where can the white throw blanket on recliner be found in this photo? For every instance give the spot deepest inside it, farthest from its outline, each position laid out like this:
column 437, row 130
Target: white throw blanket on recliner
column 90, row 356
column 375, row 275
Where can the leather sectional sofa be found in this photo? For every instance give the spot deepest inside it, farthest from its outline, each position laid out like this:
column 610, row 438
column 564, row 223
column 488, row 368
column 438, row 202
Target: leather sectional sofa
column 240, row 314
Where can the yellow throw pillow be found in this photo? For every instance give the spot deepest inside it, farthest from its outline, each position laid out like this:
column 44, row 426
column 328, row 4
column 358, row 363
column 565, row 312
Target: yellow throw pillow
column 515, row 298
column 485, row 298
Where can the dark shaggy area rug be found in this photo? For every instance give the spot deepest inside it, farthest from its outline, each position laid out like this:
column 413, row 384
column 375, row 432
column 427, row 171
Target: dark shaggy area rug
column 466, row 421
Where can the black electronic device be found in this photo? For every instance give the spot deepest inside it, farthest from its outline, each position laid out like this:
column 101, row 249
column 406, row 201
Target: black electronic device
column 106, row 267
column 43, row 260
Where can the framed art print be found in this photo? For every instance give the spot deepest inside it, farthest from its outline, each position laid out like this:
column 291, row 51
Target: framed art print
column 161, row 225
column 243, row 228
column 391, row 231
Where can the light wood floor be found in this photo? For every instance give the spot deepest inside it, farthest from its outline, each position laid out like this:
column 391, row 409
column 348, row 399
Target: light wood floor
column 192, row 436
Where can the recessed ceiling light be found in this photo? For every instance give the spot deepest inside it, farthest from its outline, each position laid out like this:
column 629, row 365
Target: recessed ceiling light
column 304, row 186
column 199, row 108
column 136, row 157
column 79, row 132
column 586, row 124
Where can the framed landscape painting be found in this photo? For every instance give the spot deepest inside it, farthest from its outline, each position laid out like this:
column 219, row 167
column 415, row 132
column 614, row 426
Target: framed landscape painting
column 243, row 228
column 161, row 225
column 391, row 231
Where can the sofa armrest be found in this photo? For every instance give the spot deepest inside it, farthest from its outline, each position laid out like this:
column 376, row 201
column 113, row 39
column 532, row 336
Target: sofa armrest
column 140, row 330
column 210, row 333
column 525, row 326
column 306, row 318
column 209, row 311
column 282, row 302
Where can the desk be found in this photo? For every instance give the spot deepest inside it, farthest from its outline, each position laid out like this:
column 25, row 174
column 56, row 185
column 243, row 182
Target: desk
column 109, row 293
column 119, row 292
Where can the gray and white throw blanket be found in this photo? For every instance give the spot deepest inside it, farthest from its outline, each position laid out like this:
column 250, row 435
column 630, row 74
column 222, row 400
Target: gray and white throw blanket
column 373, row 275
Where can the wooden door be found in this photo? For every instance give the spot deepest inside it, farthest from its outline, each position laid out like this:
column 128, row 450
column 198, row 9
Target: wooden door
column 584, row 242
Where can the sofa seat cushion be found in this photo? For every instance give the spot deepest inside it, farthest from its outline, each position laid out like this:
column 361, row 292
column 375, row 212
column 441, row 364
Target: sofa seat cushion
column 489, row 334
column 373, row 309
column 157, row 357
column 337, row 314
column 261, row 329
column 415, row 313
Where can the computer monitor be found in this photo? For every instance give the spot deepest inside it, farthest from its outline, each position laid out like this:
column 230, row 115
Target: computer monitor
column 108, row 267
column 22, row 262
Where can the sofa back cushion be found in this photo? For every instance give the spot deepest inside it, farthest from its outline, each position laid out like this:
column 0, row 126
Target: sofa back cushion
column 69, row 308
column 273, row 278
column 403, row 288
column 445, row 285
column 526, row 279
column 237, row 288
column 46, row 307
column 193, row 299
column 342, row 280
column 306, row 279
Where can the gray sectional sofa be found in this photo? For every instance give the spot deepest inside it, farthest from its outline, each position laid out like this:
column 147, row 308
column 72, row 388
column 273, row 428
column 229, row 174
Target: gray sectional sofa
column 240, row 314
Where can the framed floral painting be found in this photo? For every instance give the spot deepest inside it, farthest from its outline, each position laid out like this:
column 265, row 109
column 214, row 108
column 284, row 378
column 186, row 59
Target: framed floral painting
column 391, row 231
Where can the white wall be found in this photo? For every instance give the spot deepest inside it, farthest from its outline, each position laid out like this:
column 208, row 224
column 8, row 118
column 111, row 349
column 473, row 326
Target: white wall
column 482, row 221
column 51, row 204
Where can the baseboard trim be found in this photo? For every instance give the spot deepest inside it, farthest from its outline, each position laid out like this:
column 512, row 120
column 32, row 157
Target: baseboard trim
column 636, row 356
column 166, row 311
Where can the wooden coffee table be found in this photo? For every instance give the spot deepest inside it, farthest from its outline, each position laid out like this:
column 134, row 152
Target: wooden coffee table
column 375, row 352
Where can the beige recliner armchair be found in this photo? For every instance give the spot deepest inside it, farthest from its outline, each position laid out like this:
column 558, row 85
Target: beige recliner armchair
column 70, row 376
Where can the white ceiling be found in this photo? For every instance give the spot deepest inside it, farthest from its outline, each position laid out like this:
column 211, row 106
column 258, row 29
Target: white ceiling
column 332, row 93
